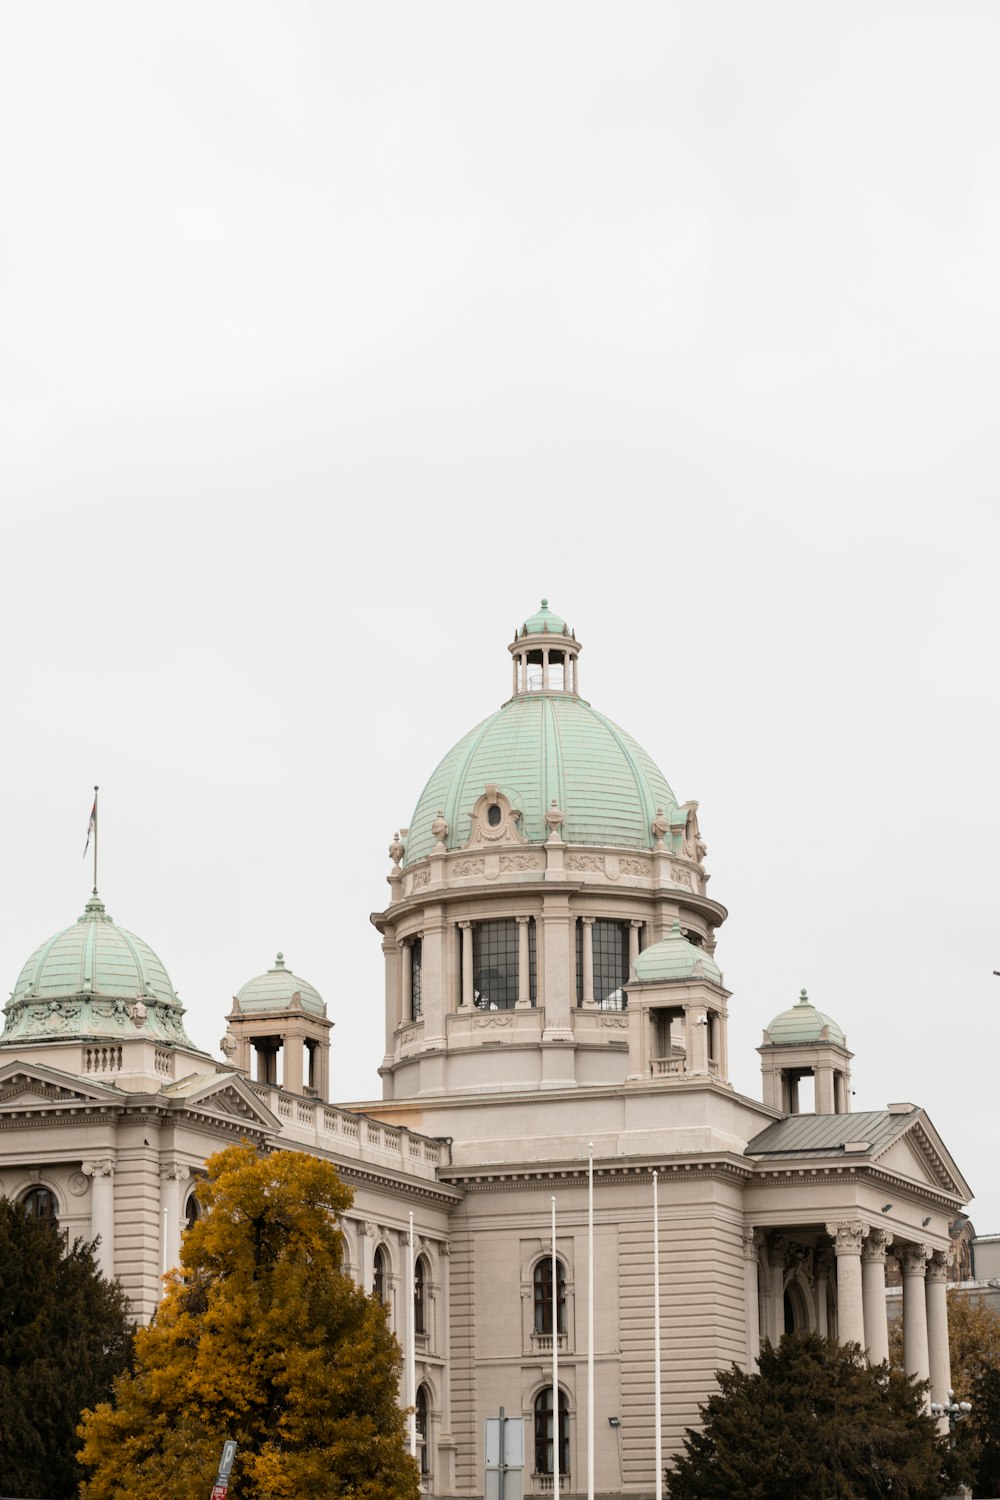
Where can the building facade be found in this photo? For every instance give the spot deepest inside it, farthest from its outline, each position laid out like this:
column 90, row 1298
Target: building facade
column 553, row 1004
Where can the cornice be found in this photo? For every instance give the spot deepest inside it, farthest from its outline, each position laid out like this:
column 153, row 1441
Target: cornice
column 492, row 1176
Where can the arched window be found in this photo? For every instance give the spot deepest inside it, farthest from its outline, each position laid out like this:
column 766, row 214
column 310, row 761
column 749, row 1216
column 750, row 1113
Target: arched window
column 421, row 1416
column 543, row 1432
column 192, row 1211
column 420, row 1296
column 40, row 1203
column 543, row 1296
column 380, row 1278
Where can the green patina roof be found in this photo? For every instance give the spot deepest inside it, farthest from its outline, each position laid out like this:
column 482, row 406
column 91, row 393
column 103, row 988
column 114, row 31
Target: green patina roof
column 275, row 989
column 541, row 746
column 675, row 958
column 803, row 1023
column 543, row 619
column 86, row 980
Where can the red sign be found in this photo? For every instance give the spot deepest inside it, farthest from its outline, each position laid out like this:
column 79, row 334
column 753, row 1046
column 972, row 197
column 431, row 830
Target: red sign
column 219, row 1491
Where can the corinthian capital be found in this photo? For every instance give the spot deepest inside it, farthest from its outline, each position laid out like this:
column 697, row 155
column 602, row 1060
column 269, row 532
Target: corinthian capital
column 876, row 1245
column 937, row 1266
column 913, row 1259
column 848, row 1237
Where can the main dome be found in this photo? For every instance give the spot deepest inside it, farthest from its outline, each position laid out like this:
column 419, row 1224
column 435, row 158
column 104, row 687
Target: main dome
column 545, row 745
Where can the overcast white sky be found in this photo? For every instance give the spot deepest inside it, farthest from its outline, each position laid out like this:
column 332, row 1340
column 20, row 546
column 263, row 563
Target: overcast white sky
column 333, row 336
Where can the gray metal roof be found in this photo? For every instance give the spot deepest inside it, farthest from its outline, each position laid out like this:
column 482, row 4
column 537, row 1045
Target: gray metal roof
column 826, row 1135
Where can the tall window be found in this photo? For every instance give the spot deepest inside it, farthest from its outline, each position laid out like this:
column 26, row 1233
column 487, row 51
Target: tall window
column 192, row 1211
column 610, row 941
column 416, row 979
column 421, row 1423
column 543, row 1296
column 39, row 1203
column 543, row 1433
column 380, row 1280
column 420, row 1296
column 495, row 964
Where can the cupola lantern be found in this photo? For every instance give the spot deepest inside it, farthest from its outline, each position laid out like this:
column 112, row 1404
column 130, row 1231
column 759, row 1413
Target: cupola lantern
column 545, row 652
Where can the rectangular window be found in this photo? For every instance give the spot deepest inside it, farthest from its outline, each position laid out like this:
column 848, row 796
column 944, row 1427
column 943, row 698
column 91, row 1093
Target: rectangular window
column 610, row 964
column 494, row 965
column 416, row 990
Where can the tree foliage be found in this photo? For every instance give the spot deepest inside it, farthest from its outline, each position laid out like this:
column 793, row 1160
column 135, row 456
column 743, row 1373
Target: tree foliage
column 262, row 1337
column 65, row 1334
column 974, row 1349
column 814, row 1420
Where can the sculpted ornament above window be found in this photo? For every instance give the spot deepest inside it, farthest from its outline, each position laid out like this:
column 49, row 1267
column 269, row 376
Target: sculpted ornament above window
column 494, row 820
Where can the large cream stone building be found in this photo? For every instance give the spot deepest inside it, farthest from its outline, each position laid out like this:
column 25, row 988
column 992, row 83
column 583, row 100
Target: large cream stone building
column 552, row 993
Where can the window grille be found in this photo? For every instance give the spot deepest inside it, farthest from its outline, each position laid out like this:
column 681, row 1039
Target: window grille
column 416, row 979
column 610, row 943
column 494, row 964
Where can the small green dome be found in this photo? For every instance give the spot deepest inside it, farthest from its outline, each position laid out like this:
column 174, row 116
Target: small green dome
column 276, row 990
column 94, row 979
column 675, row 958
column 544, row 619
column 804, row 1023
column 536, row 748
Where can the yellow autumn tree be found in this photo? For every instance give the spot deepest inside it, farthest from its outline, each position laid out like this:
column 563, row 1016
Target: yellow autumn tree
column 261, row 1337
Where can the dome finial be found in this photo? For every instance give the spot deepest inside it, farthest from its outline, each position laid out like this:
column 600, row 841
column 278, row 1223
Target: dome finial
column 279, row 962
column 545, row 604
column 545, row 652
column 803, row 996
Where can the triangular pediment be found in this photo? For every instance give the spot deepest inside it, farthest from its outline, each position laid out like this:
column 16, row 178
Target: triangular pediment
column 918, row 1154
column 225, row 1095
column 33, row 1086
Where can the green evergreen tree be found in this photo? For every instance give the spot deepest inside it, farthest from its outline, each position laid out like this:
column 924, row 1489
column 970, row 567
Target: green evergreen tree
column 65, row 1334
column 814, row 1420
column 261, row 1337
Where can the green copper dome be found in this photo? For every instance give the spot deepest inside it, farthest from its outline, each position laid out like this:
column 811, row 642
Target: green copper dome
column 675, row 958
column 804, row 1023
column 276, row 990
column 541, row 746
column 544, row 619
column 94, row 979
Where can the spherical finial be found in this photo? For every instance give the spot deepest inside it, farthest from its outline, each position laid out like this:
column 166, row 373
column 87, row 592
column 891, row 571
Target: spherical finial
column 803, row 997
column 279, row 962
column 545, row 604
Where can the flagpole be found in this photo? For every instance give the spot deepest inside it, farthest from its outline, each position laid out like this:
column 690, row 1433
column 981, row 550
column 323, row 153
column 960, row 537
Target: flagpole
column 590, row 1322
column 95, row 840
column 555, row 1358
column 656, row 1342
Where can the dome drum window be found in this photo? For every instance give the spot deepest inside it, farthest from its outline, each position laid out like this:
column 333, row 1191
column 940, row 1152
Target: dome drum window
column 499, row 963
column 602, row 963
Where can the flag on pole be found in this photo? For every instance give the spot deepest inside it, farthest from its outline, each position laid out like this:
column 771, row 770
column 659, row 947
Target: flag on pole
column 91, row 827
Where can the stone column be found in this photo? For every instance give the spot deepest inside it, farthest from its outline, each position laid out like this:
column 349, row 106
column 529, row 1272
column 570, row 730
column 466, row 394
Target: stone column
column 873, row 1294
column 514, row 662
column 173, row 1176
column 913, row 1264
column 523, row 963
column 824, row 1090
column 751, row 1294
column 292, row 1072
column 435, row 930
column 467, row 976
column 392, row 1005
column 588, row 960
column 847, row 1241
column 406, row 975
column 634, row 930
column 545, row 669
column 939, row 1357
column 697, row 1039
column 775, row 1321
column 822, row 1267
column 102, row 1212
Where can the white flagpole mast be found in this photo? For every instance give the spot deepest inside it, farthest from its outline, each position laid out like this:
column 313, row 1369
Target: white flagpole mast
column 555, row 1358
column 656, row 1342
column 590, row 1322
column 411, row 1348
column 95, row 840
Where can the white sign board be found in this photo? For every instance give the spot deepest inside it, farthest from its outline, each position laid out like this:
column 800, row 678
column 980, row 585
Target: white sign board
column 513, row 1443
